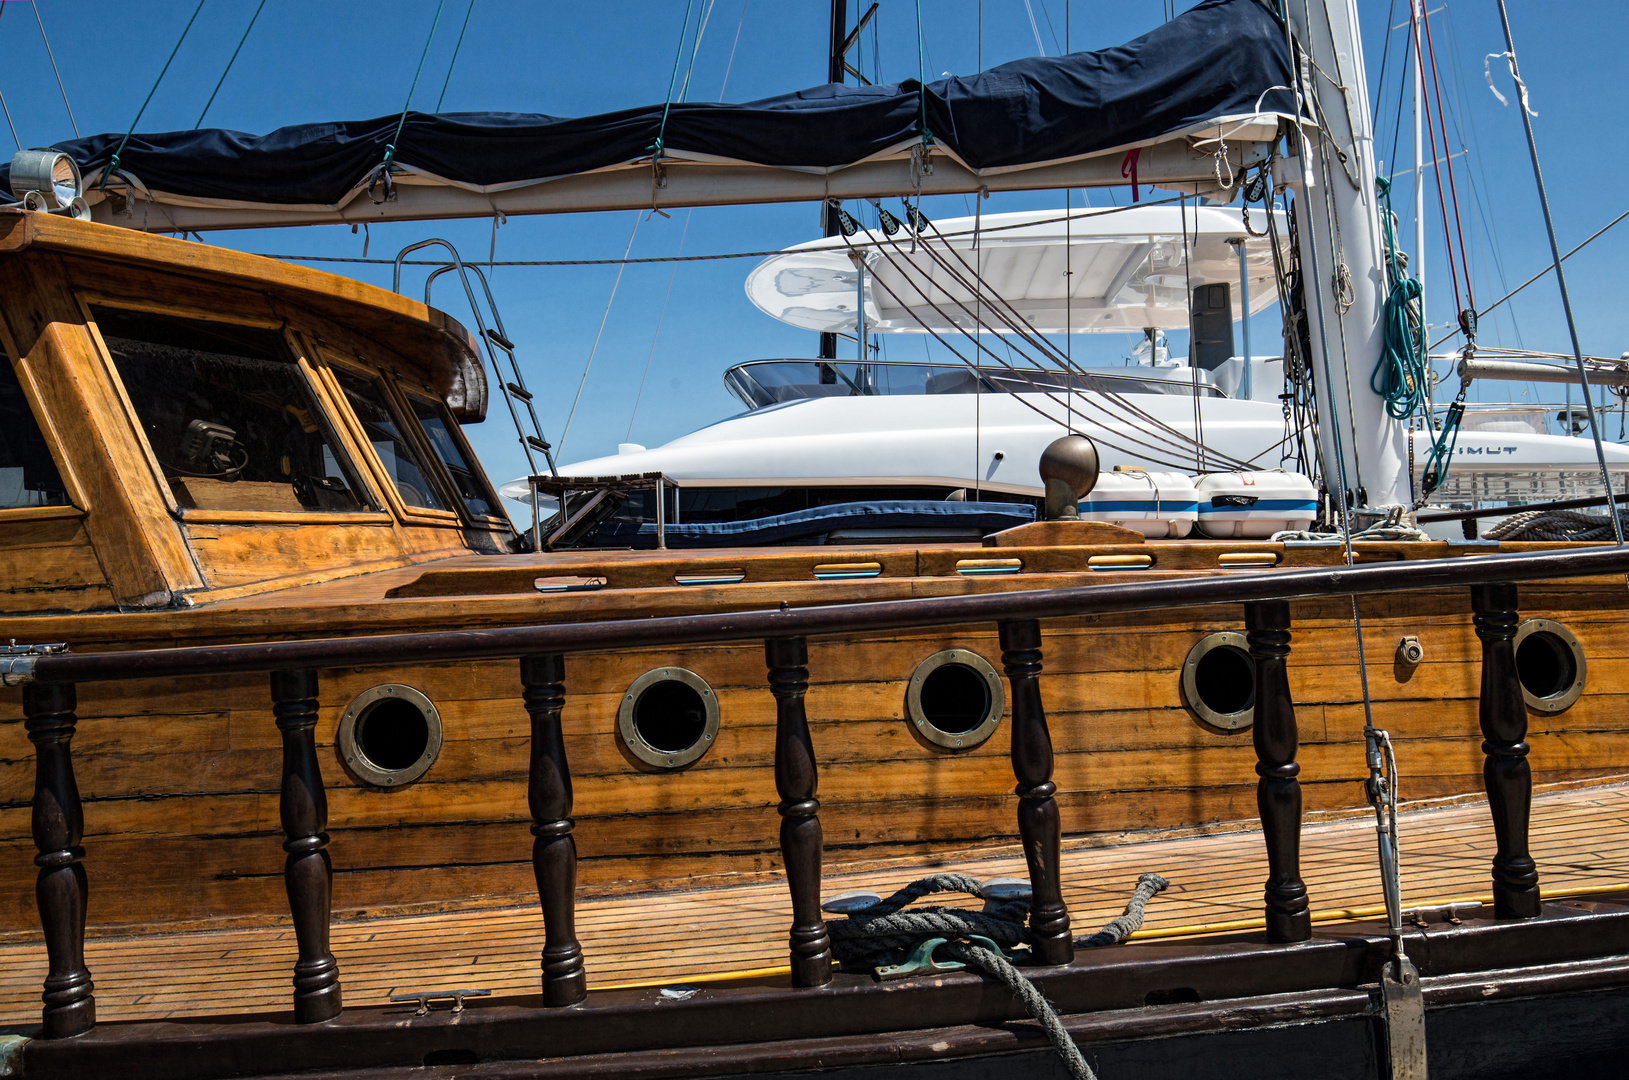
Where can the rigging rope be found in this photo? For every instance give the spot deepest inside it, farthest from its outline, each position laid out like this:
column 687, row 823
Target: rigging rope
column 230, row 62
column 655, row 149
column 52, row 57
column 112, row 166
column 561, row 442
column 454, row 61
column 1400, row 376
column 382, row 170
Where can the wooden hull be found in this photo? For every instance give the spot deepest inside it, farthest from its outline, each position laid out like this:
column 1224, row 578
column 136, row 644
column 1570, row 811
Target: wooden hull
column 180, row 778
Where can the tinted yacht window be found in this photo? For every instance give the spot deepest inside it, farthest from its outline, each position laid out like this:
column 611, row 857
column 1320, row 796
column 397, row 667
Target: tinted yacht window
column 28, row 476
column 466, row 476
column 228, row 414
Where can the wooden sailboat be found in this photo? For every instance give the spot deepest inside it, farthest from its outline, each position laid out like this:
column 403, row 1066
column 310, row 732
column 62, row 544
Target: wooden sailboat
column 242, row 474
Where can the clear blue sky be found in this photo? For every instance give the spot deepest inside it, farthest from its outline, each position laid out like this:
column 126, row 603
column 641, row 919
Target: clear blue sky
column 309, row 60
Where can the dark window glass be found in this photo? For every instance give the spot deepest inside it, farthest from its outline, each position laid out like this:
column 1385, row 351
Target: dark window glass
column 390, row 442
column 466, row 476
column 28, row 476
column 228, row 414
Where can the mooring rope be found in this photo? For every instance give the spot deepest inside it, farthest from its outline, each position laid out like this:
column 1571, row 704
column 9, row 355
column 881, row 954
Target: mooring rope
column 1553, row 525
column 882, row 932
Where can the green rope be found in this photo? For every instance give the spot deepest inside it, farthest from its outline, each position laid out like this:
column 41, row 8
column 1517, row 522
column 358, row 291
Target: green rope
column 1400, row 376
column 922, row 79
column 113, row 162
column 390, row 147
column 655, row 148
column 229, row 64
column 467, row 12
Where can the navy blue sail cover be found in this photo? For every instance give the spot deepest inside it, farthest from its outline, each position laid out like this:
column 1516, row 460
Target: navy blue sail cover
column 1217, row 59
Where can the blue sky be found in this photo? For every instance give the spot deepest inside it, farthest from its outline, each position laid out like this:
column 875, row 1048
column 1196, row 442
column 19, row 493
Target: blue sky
column 308, row 60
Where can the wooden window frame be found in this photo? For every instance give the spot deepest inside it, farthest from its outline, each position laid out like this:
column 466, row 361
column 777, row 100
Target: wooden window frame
column 318, row 387
column 499, row 523
column 332, row 357
column 77, row 505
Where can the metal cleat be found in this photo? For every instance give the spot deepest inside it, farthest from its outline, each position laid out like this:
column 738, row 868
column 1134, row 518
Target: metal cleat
column 850, row 903
column 424, row 997
column 922, row 962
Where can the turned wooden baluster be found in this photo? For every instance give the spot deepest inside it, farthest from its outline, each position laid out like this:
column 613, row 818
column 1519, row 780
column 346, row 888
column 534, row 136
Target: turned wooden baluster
column 307, row 874
column 1505, row 773
column 61, row 890
column 1278, row 792
column 1050, row 942
column 796, row 781
column 554, row 851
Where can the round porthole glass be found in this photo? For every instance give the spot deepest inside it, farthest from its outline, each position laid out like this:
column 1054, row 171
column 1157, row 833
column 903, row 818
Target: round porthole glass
column 955, row 699
column 1549, row 664
column 1219, row 681
column 389, row 735
column 668, row 717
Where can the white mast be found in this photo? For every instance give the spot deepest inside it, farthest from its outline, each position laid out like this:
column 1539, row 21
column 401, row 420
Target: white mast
column 1340, row 239
column 1416, row 11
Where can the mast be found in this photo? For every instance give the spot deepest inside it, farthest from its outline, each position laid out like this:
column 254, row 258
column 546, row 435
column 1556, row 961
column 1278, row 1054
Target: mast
column 834, row 74
column 1416, row 7
column 1339, row 224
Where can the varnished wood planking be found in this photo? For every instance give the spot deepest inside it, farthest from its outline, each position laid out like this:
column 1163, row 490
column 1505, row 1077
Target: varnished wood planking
column 675, row 935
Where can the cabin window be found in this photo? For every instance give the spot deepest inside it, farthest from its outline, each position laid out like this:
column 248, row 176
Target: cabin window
column 388, row 435
column 28, row 476
column 466, row 475
column 229, row 415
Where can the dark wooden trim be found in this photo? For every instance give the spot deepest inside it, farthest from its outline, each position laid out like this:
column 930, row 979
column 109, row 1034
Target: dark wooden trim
column 1038, row 823
column 62, row 889
column 797, row 781
column 1278, row 791
column 510, row 641
column 554, row 851
column 1505, row 772
column 307, row 873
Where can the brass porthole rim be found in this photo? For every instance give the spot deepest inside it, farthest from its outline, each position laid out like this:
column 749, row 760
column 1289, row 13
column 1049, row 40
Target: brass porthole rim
column 364, row 768
column 1234, row 721
column 1554, row 703
column 950, row 740
column 652, row 755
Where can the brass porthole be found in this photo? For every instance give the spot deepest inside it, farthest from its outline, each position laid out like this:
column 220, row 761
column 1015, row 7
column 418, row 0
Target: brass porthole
column 668, row 717
column 389, row 735
column 955, row 699
column 1219, row 681
column 1549, row 664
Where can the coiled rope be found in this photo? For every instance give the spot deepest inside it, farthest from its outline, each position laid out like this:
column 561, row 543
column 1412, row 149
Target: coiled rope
column 1555, row 525
column 882, row 932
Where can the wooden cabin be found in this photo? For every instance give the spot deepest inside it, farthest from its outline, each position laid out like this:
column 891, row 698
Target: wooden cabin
column 206, row 447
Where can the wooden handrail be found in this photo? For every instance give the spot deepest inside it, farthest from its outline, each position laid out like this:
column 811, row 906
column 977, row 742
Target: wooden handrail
column 502, row 642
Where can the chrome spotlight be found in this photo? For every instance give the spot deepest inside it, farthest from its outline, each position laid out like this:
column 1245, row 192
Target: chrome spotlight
column 50, row 173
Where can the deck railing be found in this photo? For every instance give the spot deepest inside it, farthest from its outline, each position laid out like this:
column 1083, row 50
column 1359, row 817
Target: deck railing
column 49, row 700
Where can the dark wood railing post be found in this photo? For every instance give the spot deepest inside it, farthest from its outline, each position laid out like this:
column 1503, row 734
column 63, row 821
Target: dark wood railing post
column 1038, row 825
column 1278, row 792
column 307, row 873
column 554, row 851
column 1505, row 773
column 796, row 781
column 61, row 890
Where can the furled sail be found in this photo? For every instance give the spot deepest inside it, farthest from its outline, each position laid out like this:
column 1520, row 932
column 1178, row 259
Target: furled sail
column 1220, row 61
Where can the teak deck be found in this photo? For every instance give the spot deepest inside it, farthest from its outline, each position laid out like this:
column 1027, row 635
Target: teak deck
column 1577, row 838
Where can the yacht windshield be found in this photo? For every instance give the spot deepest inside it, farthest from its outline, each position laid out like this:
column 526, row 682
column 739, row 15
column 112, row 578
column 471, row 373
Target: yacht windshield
column 770, row 382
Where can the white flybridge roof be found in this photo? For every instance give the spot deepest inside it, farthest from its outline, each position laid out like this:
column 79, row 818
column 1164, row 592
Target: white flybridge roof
column 1128, row 267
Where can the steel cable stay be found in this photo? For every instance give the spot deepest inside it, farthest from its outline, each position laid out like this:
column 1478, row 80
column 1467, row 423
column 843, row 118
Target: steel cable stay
column 1016, row 371
column 1181, row 447
column 1026, row 331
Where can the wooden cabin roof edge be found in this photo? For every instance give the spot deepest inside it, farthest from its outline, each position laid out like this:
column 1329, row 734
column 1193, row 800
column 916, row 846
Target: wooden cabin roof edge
column 463, row 377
